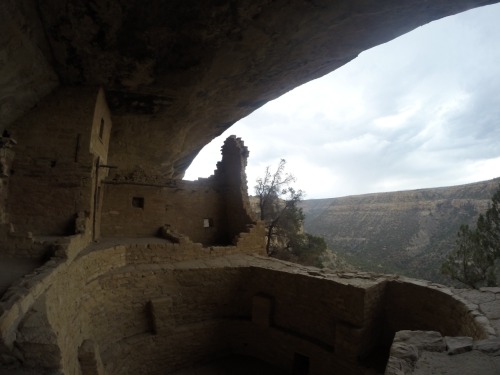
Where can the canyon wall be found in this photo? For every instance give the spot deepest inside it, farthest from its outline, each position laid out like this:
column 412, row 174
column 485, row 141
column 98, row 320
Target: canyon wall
column 407, row 232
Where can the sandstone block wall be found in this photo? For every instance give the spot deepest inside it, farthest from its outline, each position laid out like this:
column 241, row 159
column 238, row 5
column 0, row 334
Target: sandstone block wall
column 231, row 178
column 135, row 210
column 58, row 187
column 211, row 211
column 53, row 173
column 154, row 308
column 417, row 306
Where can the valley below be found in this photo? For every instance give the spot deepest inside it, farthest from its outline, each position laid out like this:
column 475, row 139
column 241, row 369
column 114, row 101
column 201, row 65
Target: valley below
column 408, row 233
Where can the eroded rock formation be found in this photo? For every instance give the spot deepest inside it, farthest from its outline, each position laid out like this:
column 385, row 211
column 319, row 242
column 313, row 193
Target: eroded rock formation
column 178, row 73
column 105, row 104
column 407, row 232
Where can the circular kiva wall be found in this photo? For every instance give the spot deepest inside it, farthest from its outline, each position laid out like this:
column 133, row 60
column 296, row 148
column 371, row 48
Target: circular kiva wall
column 112, row 310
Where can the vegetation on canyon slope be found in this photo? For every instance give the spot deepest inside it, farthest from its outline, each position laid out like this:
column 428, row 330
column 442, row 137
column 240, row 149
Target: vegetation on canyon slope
column 473, row 261
column 278, row 208
column 409, row 233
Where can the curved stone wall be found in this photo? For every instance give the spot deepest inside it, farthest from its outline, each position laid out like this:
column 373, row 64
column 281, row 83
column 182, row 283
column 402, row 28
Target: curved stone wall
column 140, row 308
column 420, row 305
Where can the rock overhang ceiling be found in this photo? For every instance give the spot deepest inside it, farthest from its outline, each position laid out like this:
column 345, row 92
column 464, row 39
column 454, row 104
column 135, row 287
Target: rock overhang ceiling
column 178, row 73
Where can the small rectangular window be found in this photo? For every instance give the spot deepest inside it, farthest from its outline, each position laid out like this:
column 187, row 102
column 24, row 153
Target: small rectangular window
column 207, row 223
column 138, row 202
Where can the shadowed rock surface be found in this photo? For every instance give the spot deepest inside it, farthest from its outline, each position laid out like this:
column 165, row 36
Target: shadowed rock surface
column 179, row 73
column 233, row 365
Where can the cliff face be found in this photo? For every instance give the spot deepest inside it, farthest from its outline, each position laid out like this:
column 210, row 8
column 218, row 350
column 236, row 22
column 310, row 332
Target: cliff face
column 406, row 232
column 179, row 73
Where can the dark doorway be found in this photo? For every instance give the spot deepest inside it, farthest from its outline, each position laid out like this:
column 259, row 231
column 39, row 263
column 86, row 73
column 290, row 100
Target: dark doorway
column 300, row 364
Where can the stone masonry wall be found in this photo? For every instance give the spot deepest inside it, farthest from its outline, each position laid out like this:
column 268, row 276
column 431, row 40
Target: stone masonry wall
column 100, row 134
column 199, row 310
column 156, row 307
column 210, row 211
column 135, row 210
column 72, row 298
column 54, row 180
column 419, row 306
column 231, row 178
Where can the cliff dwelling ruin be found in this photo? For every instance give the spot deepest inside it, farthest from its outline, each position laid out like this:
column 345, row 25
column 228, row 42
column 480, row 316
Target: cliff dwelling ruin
column 110, row 263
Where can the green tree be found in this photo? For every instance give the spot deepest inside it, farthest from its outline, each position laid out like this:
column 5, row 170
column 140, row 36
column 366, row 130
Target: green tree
column 279, row 210
column 308, row 250
column 473, row 261
column 278, row 206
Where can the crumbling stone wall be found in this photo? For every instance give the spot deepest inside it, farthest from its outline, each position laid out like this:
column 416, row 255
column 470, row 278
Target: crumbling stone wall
column 139, row 210
column 58, row 187
column 231, row 178
column 210, row 211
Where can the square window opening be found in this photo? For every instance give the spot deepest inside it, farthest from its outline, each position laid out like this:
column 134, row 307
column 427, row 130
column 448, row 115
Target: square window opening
column 208, row 223
column 138, row 202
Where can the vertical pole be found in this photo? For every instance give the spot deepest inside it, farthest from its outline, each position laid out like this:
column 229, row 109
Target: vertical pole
column 94, row 216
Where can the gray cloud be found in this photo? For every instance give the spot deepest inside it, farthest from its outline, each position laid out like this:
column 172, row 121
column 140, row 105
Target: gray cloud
column 420, row 111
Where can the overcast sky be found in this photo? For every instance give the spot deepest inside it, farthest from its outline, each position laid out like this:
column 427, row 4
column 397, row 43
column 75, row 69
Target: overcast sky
column 420, row 111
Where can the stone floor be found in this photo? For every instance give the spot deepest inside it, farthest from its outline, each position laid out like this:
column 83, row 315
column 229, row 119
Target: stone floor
column 471, row 363
column 488, row 301
column 240, row 365
column 429, row 353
